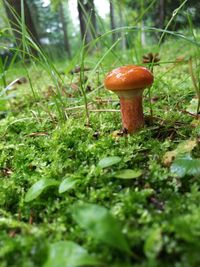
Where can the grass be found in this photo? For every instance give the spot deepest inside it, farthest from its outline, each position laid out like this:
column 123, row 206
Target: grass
column 63, row 179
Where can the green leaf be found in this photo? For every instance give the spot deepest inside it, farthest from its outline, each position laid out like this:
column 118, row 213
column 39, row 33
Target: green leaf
column 128, row 174
column 67, row 184
column 108, row 161
column 153, row 243
column 186, row 165
column 68, row 254
column 37, row 188
column 101, row 225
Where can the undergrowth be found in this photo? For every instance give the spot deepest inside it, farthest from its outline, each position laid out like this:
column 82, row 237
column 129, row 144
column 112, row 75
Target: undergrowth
column 76, row 191
column 158, row 211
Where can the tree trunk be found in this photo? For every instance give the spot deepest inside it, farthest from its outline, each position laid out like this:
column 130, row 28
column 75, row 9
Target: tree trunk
column 65, row 31
column 91, row 11
column 121, row 22
column 161, row 14
column 112, row 22
column 87, row 20
column 13, row 10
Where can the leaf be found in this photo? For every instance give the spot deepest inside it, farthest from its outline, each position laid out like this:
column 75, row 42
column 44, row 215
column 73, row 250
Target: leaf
column 101, row 225
column 186, row 165
column 108, row 161
column 192, row 108
column 186, row 146
column 128, row 174
column 153, row 243
column 169, row 157
column 37, row 188
column 68, row 254
column 67, row 184
column 183, row 148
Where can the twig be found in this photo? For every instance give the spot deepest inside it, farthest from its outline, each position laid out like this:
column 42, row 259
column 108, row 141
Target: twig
column 104, row 110
column 106, row 101
column 96, row 89
column 76, row 107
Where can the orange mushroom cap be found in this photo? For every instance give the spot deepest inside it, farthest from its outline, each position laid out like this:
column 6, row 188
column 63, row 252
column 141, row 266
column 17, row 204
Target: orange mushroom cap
column 128, row 77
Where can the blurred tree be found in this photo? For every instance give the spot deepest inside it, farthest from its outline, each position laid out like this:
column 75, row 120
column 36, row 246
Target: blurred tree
column 121, row 24
column 161, row 14
column 52, row 26
column 113, row 25
column 87, row 19
column 50, row 23
column 14, row 13
column 3, row 18
column 65, row 30
column 63, row 19
column 36, row 7
column 164, row 10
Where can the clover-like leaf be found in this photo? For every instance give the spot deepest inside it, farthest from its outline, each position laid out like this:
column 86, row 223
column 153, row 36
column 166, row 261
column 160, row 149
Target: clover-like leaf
column 128, row 174
column 108, row 161
column 101, row 225
column 186, row 165
column 153, row 243
column 67, row 184
column 69, row 254
column 38, row 187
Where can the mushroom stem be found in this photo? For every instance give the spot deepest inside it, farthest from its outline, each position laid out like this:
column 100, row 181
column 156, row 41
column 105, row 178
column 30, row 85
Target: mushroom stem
column 132, row 113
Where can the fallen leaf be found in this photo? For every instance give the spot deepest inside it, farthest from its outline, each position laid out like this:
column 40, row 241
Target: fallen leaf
column 78, row 69
column 37, row 134
column 192, row 108
column 119, row 133
column 184, row 147
column 180, row 59
column 74, row 86
column 19, row 80
column 195, row 123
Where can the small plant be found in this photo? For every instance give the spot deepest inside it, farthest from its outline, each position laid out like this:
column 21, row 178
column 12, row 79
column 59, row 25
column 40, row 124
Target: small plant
column 151, row 59
column 195, row 76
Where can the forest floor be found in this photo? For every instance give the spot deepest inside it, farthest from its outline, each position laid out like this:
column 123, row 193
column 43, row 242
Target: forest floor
column 75, row 192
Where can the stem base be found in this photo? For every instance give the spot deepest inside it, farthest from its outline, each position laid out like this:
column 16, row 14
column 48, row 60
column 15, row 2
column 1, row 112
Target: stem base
column 132, row 113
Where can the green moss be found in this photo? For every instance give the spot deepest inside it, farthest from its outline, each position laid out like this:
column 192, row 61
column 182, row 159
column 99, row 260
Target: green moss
column 156, row 207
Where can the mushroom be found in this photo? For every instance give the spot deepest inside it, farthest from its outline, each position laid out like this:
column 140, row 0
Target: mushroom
column 129, row 82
